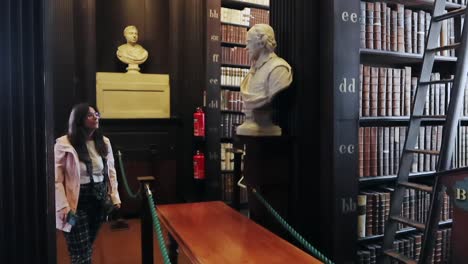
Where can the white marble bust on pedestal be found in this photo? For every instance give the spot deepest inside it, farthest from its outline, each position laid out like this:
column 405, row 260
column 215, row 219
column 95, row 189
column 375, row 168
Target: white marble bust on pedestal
column 132, row 53
column 269, row 74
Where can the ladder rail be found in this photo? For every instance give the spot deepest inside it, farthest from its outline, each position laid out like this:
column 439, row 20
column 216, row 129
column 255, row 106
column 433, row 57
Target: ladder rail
column 448, row 137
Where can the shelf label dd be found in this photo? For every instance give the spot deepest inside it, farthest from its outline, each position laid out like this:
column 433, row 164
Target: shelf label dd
column 347, row 85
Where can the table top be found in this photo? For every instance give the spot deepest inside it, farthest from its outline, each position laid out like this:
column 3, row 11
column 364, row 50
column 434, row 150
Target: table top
column 212, row 232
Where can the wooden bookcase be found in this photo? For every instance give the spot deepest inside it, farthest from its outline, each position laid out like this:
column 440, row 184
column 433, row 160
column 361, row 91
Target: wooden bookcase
column 395, row 60
column 342, row 117
column 216, row 131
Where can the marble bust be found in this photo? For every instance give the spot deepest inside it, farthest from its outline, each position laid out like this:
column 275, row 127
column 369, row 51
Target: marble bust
column 268, row 75
column 132, row 53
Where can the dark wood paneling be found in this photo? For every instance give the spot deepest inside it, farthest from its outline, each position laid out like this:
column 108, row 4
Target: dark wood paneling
column 187, row 74
column 267, row 168
column 24, row 170
column 62, row 59
column 149, row 148
column 339, row 58
column 297, row 26
column 152, row 20
column 84, row 29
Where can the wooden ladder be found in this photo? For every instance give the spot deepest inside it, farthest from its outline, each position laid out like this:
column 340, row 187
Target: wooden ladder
column 448, row 140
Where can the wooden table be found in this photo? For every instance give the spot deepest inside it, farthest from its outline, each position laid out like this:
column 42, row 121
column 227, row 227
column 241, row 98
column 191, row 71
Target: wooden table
column 212, row 232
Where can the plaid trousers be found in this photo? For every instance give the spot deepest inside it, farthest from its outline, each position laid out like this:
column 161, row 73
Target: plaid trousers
column 89, row 219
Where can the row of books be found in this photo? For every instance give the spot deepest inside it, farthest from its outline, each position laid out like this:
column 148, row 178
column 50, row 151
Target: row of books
column 410, row 246
column 391, row 91
column 234, row 34
column 246, row 17
column 259, row 16
column 392, row 27
column 231, row 100
column 258, row 2
column 234, row 55
column 232, row 76
column 461, row 2
column 380, row 149
column 227, row 157
column 228, row 186
column 386, row 91
column 229, row 122
column 374, row 208
column 234, row 16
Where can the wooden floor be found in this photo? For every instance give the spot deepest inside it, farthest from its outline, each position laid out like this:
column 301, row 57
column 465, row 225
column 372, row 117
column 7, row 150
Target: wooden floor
column 114, row 246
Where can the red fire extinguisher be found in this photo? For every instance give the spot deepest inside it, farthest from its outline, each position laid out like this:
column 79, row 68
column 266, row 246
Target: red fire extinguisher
column 199, row 166
column 199, row 123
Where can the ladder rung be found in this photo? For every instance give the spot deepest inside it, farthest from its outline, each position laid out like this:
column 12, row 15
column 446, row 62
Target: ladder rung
column 409, row 222
column 453, row 13
column 453, row 46
column 417, row 186
column 424, row 151
column 430, row 116
column 393, row 254
column 437, row 82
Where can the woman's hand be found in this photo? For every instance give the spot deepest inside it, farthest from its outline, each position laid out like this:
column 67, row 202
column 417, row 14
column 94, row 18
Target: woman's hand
column 63, row 213
column 117, row 206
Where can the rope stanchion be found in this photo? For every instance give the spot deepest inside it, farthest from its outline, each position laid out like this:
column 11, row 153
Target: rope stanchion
column 157, row 226
column 124, row 178
column 291, row 230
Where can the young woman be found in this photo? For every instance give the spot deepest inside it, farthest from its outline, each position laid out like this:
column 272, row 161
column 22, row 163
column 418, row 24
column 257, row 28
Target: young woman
column 84, row 167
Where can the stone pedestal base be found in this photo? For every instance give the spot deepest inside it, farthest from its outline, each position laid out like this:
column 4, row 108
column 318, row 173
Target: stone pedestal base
column 133, row 69
column 122, row 95
column 268, row 168
column 258, row 123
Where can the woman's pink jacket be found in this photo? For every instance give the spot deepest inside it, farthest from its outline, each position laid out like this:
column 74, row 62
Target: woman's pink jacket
column 67, row 178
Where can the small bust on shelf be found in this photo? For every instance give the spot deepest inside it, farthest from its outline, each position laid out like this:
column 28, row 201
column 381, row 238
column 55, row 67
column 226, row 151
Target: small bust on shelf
column 132, row 53
column 268, row 75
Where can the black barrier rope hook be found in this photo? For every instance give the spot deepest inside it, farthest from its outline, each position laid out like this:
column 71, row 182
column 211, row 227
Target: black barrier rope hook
column 285, row 224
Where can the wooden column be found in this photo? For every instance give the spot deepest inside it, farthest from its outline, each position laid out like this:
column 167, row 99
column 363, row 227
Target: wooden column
column 267, row 168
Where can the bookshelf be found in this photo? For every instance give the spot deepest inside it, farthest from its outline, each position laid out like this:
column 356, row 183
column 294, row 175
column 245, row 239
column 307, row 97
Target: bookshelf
column 235, row 65
column 388, row 78
column 227, row 63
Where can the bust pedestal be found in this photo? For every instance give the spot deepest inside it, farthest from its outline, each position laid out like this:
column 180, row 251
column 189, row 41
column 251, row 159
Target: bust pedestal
column 128, row 96
column 133, row 69
column 258, row 123
column 267, row 168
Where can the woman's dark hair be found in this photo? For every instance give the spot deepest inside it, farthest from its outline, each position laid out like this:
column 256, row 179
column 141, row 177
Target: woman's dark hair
column 78, row 133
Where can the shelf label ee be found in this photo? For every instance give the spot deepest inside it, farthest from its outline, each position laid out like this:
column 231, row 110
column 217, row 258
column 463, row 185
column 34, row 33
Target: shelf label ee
column 346, row 16
column 346, row 149
column 214, row 81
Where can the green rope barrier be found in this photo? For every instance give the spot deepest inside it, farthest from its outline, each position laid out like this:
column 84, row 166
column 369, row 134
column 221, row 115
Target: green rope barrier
column 157, row 228
column 124, row 178
column 291, row 230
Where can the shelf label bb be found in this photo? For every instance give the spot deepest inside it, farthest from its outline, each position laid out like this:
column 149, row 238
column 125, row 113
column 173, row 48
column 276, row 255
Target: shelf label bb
column 348, row 205
column 214, row 14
